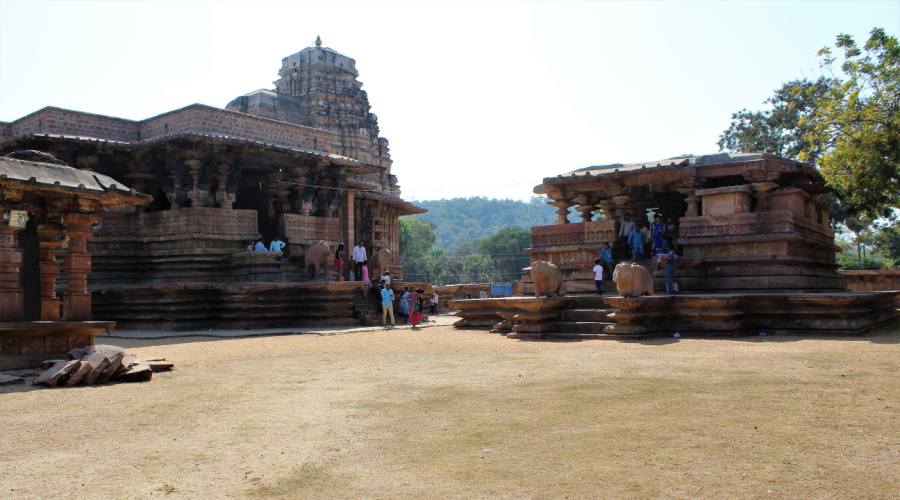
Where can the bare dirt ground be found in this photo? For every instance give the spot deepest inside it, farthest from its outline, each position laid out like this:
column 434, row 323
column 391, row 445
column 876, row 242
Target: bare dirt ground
column 444, row 413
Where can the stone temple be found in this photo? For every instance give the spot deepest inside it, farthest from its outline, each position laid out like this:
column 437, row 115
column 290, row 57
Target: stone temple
column 303, row 162
column 759, row 254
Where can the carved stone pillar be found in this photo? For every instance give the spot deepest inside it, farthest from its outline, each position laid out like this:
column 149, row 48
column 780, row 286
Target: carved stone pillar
column 49, row 242
column 621, row 207
column 585, row 206
column 77, row 265
column 761, row 192
column 693, row 209
column 608, row 209
column 562, row 213
column 12, row 305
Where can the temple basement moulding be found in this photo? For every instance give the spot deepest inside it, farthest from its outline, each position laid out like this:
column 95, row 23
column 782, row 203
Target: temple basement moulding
column 303, row 163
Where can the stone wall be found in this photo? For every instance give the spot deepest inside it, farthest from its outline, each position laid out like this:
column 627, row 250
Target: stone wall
column 872, row 281
column 193, row 119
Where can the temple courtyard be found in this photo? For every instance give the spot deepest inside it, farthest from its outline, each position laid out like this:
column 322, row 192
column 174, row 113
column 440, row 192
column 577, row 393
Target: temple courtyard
column 441, row 412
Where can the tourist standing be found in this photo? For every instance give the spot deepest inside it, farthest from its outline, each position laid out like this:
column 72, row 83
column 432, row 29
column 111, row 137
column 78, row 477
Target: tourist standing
column 404, row 305
column 606, row 254
column 658, row 230
column 598, row 276
column 339, row 260
column 387, row 305
column 359, row 257
column 482, row 294
column 670, row 268
column 387, row 279
column 670, row 231
column 415, row 308
column 364, row 277
column 260, row 246
column 636, row 242
column 434, row 303
column 277, row 245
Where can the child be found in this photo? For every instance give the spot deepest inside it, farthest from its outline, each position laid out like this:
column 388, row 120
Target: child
column 339, row 260
column 365, row 271
column 670, row 268
column 598, row 276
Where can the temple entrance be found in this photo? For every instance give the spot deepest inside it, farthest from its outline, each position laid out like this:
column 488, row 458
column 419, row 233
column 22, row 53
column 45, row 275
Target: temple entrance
column 30, row 272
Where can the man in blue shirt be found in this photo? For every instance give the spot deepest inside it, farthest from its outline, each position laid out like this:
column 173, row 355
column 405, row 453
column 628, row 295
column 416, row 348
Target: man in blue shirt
column 276, row 245
column 636, row 242
column 387, row 305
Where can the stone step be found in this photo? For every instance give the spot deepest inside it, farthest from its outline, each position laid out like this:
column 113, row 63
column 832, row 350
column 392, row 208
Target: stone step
column 588, row 315
column 579, row 327
column 572, row 337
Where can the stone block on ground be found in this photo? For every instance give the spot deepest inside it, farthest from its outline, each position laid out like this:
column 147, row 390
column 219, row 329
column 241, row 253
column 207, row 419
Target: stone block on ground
column 140, row 372
column 128, row 361
column 161, row 366
column 10, row 379
column 58, row 373
column 102, row 362
column 115, row 362
column 82, row 371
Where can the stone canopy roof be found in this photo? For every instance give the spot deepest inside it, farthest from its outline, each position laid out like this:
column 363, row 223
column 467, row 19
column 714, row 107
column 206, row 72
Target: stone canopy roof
column 48, row 175
column 684, row 160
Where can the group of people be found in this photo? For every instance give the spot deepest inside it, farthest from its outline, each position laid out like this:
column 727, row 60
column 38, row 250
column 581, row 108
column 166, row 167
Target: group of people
column 658, row 239
column 412, row 303
column 642, row 240
column 260, row 246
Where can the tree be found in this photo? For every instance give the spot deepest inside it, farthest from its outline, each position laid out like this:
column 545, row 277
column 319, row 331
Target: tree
column 781, row 130
column 887, row 242
column 505, row 250
column 416, row 239
column 477, row 268
column 856, row 125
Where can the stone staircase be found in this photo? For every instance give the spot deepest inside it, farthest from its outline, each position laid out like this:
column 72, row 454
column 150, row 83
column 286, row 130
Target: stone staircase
column 587, row 320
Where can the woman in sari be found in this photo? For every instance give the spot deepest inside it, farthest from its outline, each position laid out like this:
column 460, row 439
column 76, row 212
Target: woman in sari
column 658, row 233
column 415, row 308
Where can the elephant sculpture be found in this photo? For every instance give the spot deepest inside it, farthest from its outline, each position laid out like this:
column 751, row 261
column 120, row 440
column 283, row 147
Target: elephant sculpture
column 380, row 262
column 633, row 280
column 547, row 278
column 318, row 258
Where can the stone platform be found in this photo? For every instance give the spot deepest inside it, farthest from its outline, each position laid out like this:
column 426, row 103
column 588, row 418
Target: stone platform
column 237, row 305
column 25, row 344
column 614, row 317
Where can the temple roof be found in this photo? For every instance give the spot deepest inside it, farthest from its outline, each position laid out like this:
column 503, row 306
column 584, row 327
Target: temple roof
column 47, row 175
column 683, row 160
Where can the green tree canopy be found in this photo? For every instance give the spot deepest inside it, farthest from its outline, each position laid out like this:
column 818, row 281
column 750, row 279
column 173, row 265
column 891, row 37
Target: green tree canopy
column 781, row 130
column 857, row 125
column 505, row 250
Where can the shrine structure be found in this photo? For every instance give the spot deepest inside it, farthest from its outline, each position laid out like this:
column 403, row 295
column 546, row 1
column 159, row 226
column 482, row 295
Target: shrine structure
column 304, row 163
column 759, row 252
column 48, row 210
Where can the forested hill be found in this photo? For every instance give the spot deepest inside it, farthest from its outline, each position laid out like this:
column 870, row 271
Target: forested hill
column 459, row 220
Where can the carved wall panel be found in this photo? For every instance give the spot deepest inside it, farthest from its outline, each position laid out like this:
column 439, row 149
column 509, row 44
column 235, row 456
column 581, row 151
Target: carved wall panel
column 307, row 230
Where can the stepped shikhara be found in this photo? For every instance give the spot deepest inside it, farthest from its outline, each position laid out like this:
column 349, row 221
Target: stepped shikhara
column 303, row 162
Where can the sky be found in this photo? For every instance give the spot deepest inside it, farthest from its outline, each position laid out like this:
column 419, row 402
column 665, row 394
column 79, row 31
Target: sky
column 476, row 98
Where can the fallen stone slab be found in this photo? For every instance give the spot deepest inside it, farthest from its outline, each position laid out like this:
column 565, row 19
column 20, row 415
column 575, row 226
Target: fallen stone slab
column 128, row 361
column 104, row 349
column 11, row 379
column 23, row 372
column 140, row 372
column 95, row 374
column 50, row 363
column 161, row 366
column 83, row 370
column 115, row 362
column 77, row 353
column 58, row 373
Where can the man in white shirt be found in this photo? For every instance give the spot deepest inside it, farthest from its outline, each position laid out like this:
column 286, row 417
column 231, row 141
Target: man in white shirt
column 276, row 245
column 387, row 279
column 359, row 256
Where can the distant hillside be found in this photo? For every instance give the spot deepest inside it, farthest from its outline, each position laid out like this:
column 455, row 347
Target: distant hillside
column 462, row 219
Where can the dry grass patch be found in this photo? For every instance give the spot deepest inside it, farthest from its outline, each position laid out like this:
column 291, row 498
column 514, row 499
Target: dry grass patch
column 443, row 413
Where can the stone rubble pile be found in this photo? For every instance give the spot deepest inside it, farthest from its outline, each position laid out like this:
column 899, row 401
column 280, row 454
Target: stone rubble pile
column 99, row 364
